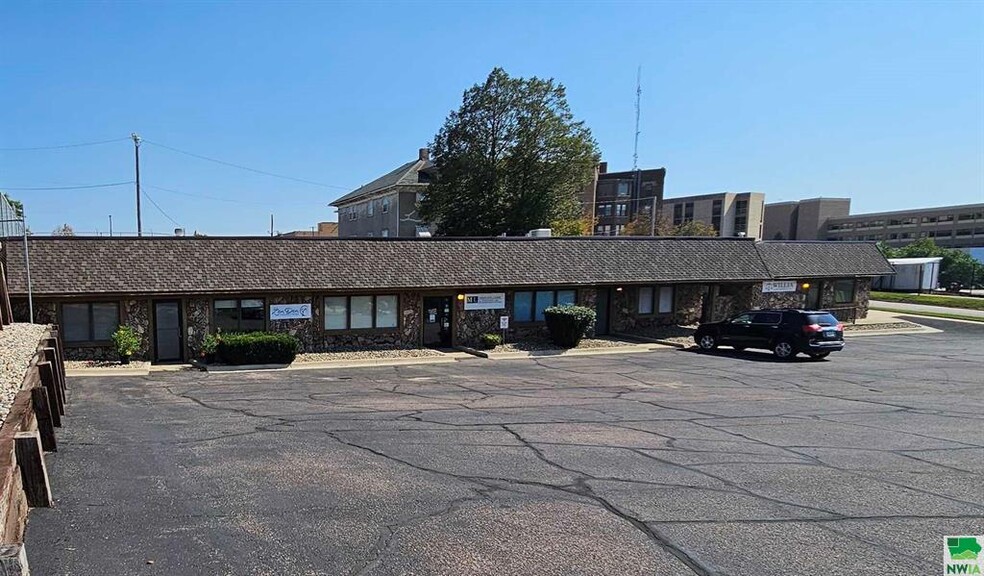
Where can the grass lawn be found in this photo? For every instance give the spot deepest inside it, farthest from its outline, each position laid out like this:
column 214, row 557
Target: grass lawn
column 932, row 315
column 965, row 302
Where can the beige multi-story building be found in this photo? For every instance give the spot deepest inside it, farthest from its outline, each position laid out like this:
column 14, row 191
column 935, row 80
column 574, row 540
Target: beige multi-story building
column 730, row 213
column 829, row 219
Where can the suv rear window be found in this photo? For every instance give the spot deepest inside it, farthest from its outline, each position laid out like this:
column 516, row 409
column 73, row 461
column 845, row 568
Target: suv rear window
column 766, row 318
column 822, row 319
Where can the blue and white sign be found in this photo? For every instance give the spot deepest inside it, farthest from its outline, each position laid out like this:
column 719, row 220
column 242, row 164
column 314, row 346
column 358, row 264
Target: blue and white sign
column 290, row 311
column 489, row 301
column 778, row 286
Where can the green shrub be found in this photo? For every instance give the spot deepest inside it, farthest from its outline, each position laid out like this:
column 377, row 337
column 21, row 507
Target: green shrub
column 210, row 344
column 489, row 341
column 126, row 342
column 568, row 324
column 257, row 348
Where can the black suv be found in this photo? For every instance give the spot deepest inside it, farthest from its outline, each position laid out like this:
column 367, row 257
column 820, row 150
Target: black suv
column 785, row 332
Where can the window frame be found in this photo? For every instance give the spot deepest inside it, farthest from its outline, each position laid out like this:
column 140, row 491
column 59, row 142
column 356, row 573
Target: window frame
column 239, row 314
column 90, row 341
column 384, row 205
column 374, row 314
column 854, row 290
column 533, row 292
column 654, row 300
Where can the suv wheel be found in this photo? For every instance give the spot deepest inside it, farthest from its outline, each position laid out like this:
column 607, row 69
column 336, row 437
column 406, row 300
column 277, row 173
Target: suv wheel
column 783, row 349
column 707, row 341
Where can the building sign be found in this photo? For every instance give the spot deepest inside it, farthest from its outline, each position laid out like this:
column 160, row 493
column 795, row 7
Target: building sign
column 778, row 286
column 290, row 311
column 490, row 301
column 503, row 322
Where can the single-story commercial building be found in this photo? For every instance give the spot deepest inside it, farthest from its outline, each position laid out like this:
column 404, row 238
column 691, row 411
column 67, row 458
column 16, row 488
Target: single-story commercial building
column 911, row 274
column 338, row 293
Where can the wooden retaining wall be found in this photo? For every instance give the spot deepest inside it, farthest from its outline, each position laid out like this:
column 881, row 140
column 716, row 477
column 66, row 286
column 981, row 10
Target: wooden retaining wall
column 27, row 433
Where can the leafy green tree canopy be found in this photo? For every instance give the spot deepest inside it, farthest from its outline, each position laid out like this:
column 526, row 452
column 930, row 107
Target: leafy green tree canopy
column 512, row 158
column 957, row 266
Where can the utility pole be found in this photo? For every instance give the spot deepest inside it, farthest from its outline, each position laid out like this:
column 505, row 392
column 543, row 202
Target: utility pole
column 271, row 225
column 136, row 158
column 110, row 225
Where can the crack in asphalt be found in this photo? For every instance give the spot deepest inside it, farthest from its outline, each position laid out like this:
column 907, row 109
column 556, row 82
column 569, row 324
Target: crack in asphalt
column 629, row 394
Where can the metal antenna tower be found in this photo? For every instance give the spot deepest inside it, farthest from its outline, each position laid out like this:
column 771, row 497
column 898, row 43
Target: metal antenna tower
column 635, row 152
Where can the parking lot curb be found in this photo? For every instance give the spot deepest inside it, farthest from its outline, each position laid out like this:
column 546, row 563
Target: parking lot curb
column 373, row 363
column 88, row 372
column 637, row 349
column 851, row 334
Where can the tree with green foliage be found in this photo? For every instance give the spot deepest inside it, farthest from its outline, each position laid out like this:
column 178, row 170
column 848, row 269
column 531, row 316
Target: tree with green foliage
column 641, row 225
column 17, row 205
column 511, row 159
column 957, row 266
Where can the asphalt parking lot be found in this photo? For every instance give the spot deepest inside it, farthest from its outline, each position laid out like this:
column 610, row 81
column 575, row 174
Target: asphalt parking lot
column 665, row 463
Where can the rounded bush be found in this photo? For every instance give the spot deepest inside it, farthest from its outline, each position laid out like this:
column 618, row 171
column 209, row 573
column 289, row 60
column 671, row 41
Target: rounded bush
column 257, row 348
column 489, row 340
column 568, row 324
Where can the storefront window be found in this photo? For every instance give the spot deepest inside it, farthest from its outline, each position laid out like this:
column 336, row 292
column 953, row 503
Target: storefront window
column 529, row 306
column 361, row 312
column 844, row 291
column 386, row 311
column 336, row 313
column 246, row 315
column 91, row 322
column 523, row 306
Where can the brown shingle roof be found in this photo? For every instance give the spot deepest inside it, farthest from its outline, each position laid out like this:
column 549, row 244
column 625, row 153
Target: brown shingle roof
column 823, row 259
column 214, row 265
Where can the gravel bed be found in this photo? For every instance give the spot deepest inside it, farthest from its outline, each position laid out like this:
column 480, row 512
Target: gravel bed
column 366, row 355
column 83, row 364
column 539, row 345
column 881, row 326
column 678, row 334
column 18, row 343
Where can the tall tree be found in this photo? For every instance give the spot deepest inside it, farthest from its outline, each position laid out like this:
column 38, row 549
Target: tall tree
column 17, row 205
column 512, row 158
column 641, row 225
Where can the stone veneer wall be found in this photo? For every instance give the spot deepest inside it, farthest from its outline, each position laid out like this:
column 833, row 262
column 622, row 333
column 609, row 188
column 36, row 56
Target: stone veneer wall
column 197, row 317
column 862, row 293
column 688, row 300
column 133, row 313
column 471, row 324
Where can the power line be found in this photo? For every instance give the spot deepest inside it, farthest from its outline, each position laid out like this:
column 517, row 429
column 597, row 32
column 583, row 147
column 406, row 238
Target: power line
column 230, row 200
column 109, row 185
column 247, row 168
column 62, row 146
column 159, row 209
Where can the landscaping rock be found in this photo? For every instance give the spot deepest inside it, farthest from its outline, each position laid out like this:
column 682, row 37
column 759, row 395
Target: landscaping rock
column 18, row 344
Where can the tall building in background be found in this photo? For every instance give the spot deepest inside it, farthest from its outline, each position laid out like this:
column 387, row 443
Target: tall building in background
column 803, row 220
column 619, row 196
column 730, row 213
column 829, row 219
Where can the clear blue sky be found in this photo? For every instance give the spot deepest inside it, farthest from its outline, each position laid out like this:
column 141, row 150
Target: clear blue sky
column 882, row 102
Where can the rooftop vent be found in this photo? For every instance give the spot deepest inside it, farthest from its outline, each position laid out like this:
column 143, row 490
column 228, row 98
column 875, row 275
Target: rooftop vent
column 179, row 231
column 539, row 233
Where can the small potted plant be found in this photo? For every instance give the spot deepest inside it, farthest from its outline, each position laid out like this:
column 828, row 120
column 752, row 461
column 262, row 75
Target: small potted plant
column 126, row 342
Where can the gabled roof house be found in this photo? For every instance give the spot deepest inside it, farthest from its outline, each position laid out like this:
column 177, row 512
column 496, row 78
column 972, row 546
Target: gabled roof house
column 387, row 206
